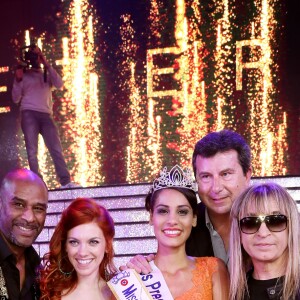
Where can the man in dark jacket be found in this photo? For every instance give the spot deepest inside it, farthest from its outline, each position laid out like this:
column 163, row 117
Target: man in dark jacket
column 23, row 204
column 222, row 168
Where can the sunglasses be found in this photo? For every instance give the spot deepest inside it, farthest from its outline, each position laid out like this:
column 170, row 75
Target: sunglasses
column 274, row 223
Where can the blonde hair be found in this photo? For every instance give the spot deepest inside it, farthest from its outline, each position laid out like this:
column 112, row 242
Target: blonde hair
column 259, row 196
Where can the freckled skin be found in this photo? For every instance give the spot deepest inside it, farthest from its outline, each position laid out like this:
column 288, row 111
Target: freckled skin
column 86, row 247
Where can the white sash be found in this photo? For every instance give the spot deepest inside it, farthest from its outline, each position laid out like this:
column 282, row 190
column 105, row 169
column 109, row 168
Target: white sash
column 128, row 285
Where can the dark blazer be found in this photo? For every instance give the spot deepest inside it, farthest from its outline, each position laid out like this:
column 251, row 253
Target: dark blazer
column 199, row 243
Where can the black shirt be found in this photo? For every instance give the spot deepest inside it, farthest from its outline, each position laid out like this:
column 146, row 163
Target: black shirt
column 265, row 289
column 30, row 289
column 199, row 243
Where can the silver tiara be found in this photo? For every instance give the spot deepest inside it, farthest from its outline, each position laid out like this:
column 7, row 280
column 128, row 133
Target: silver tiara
column 176, row 177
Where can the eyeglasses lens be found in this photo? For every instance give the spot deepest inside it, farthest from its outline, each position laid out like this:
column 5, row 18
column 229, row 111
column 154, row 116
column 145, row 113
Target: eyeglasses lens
column 275, row 223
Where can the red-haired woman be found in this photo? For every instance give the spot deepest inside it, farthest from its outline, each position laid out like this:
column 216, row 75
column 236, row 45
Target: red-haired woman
column 81, row 252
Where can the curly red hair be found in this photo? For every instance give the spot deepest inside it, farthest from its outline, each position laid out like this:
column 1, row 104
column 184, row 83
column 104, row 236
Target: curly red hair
column 81, row 211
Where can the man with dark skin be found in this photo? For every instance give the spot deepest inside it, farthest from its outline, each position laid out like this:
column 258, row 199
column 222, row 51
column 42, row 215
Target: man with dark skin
column 23, row 205
column 222, row 168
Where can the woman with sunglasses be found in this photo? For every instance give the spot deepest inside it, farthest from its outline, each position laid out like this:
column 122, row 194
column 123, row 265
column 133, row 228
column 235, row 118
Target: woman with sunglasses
column 264, row 245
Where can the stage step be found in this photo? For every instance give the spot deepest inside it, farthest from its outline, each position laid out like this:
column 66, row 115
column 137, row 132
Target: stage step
column 125, row 203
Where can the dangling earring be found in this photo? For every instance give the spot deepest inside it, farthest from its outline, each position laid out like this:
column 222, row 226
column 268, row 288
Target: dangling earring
column 66, row 274
column 106, row 275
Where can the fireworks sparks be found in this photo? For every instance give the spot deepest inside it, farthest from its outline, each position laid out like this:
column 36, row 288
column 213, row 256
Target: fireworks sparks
column 260, row 88
column 81, row 92
column 3, row 89
column 265, row 139
column 198, row 110
column 80, row 103
column 212, row 73
column 4, row 110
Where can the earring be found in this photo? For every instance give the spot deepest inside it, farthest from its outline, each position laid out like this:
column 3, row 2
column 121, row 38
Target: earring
column 66, row 274
column 106, row 275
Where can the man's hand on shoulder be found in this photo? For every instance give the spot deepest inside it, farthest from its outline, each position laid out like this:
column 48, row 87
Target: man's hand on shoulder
column 139, row 263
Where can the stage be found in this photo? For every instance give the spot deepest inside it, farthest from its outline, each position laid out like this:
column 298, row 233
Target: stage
column 143, row 82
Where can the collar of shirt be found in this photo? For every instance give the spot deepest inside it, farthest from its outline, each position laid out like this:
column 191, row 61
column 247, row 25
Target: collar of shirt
column 216, row 240
column 32, row 258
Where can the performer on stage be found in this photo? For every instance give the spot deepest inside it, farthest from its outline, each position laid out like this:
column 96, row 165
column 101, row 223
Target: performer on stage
column 32, row 89
column 80, row 260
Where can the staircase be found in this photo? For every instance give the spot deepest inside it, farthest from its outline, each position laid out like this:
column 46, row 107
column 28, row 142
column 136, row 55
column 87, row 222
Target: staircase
column 126, row 205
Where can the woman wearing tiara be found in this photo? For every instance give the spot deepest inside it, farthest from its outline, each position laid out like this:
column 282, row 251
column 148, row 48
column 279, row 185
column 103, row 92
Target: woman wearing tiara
column 172, row 204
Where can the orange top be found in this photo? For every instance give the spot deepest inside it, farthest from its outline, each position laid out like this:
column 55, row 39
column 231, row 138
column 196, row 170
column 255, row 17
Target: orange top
column 202, row 280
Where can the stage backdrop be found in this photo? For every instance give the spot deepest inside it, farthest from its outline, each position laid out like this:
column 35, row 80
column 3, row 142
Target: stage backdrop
column 144, row 80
